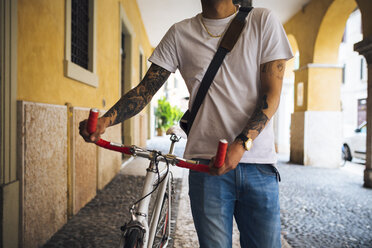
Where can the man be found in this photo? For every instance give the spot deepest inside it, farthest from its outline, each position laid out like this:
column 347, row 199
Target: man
column 238, row 107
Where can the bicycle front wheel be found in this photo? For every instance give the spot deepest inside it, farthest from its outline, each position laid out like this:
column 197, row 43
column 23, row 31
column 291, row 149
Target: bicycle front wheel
column 132, row 239
column 162, row 228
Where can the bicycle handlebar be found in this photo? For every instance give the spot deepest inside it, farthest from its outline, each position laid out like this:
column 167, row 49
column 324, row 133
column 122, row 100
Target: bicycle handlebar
column 133, row 150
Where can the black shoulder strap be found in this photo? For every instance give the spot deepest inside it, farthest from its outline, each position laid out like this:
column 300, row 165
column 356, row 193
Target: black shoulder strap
column 227, row 43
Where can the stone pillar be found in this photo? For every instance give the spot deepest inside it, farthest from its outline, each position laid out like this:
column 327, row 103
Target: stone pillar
column 316, row 123
column 365, row 48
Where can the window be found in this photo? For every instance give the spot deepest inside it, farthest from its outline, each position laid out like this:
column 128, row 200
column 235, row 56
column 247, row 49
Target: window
column 80, row 32
column 175, row 83
column 344, row 74
column 362, row 111
column 297, row 61
column 363, row 69
column 80, row 53
column 344, row 35
column 364, row 129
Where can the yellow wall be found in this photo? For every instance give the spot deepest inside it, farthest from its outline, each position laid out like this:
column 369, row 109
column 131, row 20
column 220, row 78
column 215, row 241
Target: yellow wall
column 304, row 26
column 324, row 89
column 318, row 30
column 41, row 44
column 331, row 31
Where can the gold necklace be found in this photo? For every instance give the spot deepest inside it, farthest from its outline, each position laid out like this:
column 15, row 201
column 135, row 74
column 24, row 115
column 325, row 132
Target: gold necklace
column 206, row 29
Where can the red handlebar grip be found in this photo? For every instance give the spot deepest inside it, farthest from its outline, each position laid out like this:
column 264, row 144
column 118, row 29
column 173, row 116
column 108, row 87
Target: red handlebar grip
column 92, row 120
column 195, row 167
column 111, row 146
column 221, row 153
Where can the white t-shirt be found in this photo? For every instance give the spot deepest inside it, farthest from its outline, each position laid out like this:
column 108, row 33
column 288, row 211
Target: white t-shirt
column 232, row 96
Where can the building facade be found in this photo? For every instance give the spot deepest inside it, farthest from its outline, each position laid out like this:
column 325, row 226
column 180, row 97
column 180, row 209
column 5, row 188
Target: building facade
column 59, row 59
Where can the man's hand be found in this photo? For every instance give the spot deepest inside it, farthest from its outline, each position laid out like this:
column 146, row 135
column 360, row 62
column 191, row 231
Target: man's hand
column 102, row 123
column 234, row 154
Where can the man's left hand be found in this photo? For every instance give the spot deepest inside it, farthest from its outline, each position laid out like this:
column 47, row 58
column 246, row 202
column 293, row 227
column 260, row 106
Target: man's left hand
column 234, row 154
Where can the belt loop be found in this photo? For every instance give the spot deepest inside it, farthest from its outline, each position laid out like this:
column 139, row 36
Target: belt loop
column 277, row 174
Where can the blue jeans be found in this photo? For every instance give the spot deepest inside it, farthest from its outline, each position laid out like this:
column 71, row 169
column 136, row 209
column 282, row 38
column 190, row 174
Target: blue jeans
column 250, row 193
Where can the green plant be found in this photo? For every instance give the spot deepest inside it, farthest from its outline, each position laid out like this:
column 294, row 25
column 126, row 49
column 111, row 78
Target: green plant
column 166, row 115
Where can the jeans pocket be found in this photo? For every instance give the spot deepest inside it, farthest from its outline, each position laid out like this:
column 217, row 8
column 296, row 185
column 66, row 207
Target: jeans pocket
column 268, row 169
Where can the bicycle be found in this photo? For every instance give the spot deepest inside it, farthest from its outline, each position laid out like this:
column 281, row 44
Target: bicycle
column 139, row 231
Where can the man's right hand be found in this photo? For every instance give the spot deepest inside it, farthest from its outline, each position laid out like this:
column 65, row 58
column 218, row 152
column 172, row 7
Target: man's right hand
column 94, row 137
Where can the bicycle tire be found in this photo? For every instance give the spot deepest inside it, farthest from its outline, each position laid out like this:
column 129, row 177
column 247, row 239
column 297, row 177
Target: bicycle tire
column 347, row 153
column 132, row 239
column 162, row 232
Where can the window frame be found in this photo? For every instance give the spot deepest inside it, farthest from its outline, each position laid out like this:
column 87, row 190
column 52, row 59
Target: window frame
column 87, row 76
column 363, row 69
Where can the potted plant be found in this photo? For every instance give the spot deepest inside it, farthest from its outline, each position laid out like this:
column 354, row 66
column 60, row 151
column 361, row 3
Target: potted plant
column 166, row 115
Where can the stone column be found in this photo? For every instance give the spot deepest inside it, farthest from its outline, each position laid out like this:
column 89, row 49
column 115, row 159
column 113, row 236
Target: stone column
column 316, row 123
column 365, row 48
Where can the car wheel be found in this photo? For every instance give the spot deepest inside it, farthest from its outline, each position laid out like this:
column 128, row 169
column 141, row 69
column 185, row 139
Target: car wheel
column 346, row 154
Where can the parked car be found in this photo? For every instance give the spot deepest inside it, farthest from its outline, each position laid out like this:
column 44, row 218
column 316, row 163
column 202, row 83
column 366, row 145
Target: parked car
column 355, row 145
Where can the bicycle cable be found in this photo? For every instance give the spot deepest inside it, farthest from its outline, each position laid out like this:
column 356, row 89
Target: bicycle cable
column 159, row 154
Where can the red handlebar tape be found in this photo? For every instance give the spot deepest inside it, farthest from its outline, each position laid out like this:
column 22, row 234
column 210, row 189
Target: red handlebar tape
column 92, row 120
column 107, row 145
column 195, row 167
column 221, row 153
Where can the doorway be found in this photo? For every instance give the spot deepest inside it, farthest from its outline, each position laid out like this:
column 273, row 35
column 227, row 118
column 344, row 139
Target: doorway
column 125, row 73
column 122, row 80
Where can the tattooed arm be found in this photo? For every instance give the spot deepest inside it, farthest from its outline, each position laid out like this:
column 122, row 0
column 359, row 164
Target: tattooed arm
column 136, row 99
column 129, row 104
column 271, row 86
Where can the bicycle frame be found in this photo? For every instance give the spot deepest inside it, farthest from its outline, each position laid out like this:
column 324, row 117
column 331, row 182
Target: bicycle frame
column 143, row 207
column 139, row 215
column 160, row 199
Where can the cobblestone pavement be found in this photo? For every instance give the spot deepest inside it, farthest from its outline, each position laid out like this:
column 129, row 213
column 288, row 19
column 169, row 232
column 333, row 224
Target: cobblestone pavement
column 98, row 223
column 325, row 207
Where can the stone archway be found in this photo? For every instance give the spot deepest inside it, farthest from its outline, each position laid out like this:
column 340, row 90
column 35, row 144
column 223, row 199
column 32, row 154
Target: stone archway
column 331, row 31
column 316, row 125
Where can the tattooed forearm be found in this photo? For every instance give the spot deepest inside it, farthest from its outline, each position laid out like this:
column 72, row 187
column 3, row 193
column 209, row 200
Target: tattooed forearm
column 258, row 120
column 271, row 84
column 136, row 99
